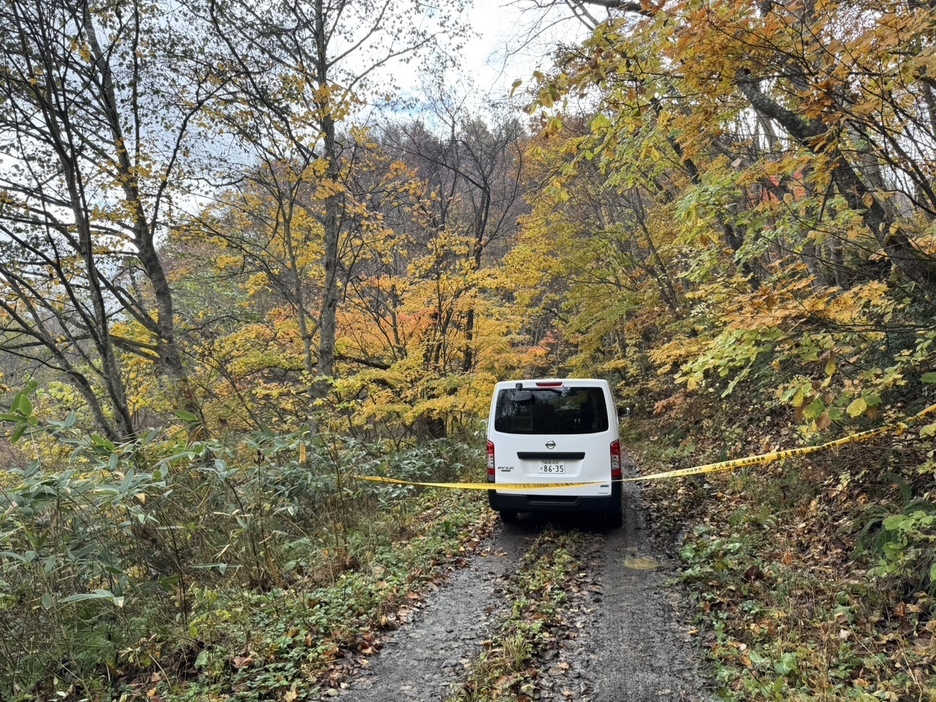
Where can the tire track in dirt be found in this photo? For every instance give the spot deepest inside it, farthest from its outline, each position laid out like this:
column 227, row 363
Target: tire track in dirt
column 422, row 660
column 626, row 640
column 642, row 645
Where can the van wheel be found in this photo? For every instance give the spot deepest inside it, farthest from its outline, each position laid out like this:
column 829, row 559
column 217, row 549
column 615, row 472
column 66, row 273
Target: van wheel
column 508, row 517
column 615, row 520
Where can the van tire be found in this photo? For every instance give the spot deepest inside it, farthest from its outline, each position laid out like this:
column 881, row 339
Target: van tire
column 507, row 516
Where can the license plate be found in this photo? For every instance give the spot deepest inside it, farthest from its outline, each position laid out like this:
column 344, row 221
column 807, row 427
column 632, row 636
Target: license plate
column 552, row 467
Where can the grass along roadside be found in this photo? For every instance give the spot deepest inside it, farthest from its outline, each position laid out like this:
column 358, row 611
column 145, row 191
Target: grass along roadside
column 811, row 579
column 296, row 644
column 550, row 577
column 790, row 604
column 168, row 568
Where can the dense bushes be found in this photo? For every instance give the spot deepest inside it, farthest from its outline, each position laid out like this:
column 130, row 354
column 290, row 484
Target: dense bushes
column 108, row 548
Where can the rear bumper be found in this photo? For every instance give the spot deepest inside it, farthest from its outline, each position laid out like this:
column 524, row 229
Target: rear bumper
column 518, row 502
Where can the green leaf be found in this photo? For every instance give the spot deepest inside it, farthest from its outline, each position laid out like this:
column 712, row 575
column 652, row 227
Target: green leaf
column 929, row 378
column 96, row 595
column 815, row 408
column 169, row 582
column 202, row 659
column 127, row 482
column 47, row 600
column 600, row 121
column 18, row 434
column 22, row 404
column 857, row 407
column 186, row 416
column 102, row 442
column 787, row 664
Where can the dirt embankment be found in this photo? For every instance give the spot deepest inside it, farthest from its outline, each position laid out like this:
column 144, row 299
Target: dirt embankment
column 625, row 638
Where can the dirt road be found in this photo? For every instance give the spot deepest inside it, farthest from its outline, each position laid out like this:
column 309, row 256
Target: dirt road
column 628, row 643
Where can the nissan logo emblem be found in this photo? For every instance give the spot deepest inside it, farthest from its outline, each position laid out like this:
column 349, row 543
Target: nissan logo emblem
column 550, row 445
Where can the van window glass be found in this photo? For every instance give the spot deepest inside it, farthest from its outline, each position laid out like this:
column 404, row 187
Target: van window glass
column 551, row 411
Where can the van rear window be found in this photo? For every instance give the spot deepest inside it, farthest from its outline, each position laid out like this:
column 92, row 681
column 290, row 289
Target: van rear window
column 575, row 410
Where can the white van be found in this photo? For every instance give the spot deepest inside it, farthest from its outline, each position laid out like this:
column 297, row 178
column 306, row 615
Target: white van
column 550, row 432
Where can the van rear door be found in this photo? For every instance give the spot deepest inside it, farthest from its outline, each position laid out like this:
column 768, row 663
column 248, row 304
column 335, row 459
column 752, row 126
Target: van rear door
column 554, row 432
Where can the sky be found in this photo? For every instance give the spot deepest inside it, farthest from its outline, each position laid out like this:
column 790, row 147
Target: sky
column 511, row 42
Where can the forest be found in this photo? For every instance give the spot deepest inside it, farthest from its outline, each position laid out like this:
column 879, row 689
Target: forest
column 241, row 262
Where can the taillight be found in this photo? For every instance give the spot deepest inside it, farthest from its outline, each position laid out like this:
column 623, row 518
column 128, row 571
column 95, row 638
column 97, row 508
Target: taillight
column 490, row 452
column 616, row 473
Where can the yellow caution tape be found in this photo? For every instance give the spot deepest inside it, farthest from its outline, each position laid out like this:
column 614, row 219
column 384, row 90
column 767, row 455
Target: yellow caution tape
column 500, row 487
column 758, row 460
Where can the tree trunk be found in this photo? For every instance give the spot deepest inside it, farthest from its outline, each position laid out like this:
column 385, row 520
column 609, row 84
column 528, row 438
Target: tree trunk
column 332, row 223
column 816, row 138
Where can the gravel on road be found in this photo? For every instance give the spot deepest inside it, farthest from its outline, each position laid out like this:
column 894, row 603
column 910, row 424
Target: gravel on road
column 628, row 640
